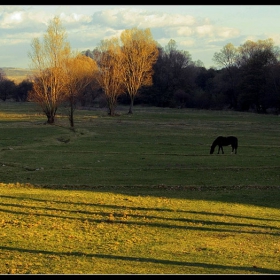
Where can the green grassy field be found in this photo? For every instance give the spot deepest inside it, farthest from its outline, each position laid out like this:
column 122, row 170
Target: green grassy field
column 138, row 194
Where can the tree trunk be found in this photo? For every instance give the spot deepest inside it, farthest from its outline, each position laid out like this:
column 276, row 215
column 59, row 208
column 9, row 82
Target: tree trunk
column 111, row 111
column 71, row 115
column 50, row 119
column 131, row 105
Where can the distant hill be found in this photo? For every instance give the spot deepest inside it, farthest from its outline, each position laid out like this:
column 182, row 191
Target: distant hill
column 16, row 74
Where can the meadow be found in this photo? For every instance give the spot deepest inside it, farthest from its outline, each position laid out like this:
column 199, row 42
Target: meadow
column 138, row 194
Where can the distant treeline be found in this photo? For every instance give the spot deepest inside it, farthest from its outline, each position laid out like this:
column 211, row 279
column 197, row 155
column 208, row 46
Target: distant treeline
column 248, row 79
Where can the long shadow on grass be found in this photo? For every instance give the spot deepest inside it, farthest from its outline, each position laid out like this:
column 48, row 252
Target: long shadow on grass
column 264, row 196
column 231, row 194
column 122, row 207
column 146, row 216
column 160, row 225
column 149, row 260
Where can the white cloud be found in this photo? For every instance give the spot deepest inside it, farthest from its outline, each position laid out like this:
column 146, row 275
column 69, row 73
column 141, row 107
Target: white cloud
column 184, row 31
column 225, row 32
column 187, row 43
column 16, row 16
column 8, row 20
column 16, row 38
column 143, row 19
column 74, row 18
column 205, row 30
column 22, row 19
column 195, row 29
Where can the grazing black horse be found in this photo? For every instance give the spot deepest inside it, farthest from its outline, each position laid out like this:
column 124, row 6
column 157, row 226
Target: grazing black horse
column 224, row 141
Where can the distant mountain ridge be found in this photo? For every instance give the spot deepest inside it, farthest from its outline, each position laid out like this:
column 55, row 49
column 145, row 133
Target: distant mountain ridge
column 16, row 74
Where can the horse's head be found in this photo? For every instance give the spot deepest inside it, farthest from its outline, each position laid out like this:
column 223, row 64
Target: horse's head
column 212, row 150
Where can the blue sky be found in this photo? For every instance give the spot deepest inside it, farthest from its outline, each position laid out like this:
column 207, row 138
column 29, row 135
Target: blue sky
column 201, row 30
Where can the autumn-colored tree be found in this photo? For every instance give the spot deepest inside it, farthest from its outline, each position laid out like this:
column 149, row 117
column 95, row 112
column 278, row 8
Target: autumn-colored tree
column 109, row 59
column 48, row 62
column 80, row 71
column 139, row 53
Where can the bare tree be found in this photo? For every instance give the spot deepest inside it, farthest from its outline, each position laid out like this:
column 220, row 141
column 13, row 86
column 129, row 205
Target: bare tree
column 177, row 59
column 139, row 54
column 48, row 61
column 228, row 58
column 109, row 59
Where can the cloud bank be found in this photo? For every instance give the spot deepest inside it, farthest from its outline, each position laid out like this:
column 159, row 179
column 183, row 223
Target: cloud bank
column 200, row 36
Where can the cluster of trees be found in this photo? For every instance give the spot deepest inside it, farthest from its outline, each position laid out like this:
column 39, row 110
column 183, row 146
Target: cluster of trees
column 61, row 75
column 125, row 65
column 134, row 69
column 248, row 79
column 10, row 90
column 251, row 72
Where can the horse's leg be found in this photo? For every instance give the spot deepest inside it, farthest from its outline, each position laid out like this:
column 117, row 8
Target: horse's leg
column 222, row 149
column 219, row 149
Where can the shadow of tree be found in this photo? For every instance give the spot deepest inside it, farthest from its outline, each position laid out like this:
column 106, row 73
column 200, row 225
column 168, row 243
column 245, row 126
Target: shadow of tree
column 147, row 260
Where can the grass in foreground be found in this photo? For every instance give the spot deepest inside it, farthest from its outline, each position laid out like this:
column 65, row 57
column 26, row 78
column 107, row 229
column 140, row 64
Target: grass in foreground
column 138, row 194
column 139, row 231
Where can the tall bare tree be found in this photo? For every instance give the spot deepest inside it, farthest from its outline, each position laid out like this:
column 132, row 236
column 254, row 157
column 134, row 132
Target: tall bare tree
column 228, row 58
column 80, row 71
column 109, row 59
column 139, row 54
column 48, row 61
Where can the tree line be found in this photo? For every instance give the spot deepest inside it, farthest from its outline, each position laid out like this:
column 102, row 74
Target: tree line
column 247, row 79
column 135, row 69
